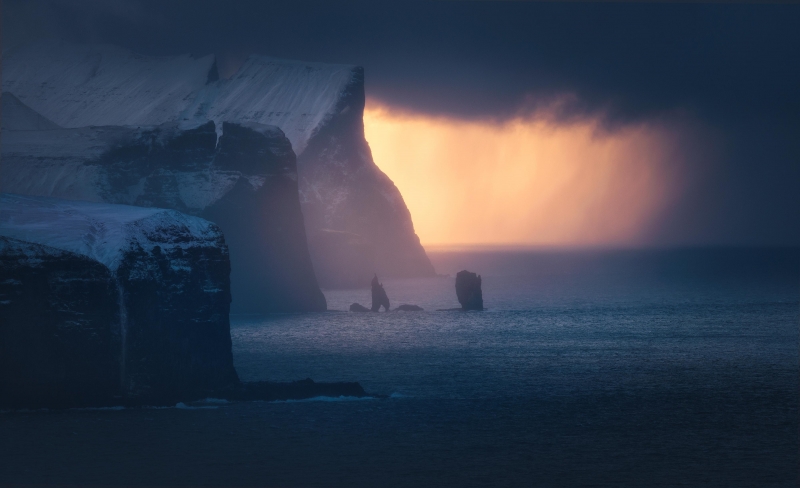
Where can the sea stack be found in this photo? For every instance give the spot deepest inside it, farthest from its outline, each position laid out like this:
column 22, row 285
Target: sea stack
column 468, row 290
column 379, row 296
column 110, row 304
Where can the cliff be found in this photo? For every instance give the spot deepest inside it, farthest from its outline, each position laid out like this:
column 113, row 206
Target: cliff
column 243, row 177
column 108, row 304
column 356, row 220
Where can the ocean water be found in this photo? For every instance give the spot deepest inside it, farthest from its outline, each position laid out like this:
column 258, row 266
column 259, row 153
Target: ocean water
column 601, row 368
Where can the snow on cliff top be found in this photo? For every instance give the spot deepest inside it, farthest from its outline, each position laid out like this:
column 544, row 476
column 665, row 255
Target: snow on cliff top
column 103, row 232
column 296, row 96
column 81, row 85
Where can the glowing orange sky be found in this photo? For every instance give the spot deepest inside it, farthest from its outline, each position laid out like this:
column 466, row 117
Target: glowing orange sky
column 526, row 181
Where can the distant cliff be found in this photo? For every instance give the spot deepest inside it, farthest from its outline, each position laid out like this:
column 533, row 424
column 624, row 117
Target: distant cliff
column 103, row 304
column 355, row 218
column 240, row 176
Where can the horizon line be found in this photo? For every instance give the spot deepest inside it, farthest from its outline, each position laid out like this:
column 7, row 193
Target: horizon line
column 598, row 247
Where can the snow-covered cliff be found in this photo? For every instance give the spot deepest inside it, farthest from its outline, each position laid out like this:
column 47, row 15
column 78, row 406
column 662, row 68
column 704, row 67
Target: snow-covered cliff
column 243, row 179
column 105, row 304
column 356, row 219
column 78, row 85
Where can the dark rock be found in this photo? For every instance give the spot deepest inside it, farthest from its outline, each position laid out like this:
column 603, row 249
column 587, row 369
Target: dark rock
column 59, row 328
column 379, row 297
column 357, row 307
column 409, row 308
column 468, row 290
column 109, row 304
column 245, row 182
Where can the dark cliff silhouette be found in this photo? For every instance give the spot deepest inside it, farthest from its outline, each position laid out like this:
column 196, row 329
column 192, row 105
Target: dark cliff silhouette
column 84, row 320
column 104, row 304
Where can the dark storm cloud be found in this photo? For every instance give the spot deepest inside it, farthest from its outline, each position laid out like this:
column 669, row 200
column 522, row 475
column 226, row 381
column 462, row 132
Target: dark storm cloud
column 734, row 67
column 486, row 58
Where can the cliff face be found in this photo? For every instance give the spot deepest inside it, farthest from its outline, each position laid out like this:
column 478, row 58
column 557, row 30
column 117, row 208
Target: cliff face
column 59, row 327
column 240, row 176
column 355, row 218
column 103, row 304
column 357, row 221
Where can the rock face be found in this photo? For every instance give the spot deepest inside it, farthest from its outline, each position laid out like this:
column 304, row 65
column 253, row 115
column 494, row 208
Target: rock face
column 240, row 176
column 108, row 304
column 355, row 217
column 379, row 296
column 468, row 290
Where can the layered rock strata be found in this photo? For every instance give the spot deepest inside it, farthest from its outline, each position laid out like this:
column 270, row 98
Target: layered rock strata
column 110, row 304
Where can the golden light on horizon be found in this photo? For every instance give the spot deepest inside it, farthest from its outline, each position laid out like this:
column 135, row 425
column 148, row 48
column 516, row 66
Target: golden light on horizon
column 526, row 181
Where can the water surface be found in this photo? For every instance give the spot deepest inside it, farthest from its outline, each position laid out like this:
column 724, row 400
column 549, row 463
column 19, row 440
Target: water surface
column 623, row 368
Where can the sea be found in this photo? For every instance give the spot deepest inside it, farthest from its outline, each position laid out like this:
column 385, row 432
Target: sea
column 588, row 368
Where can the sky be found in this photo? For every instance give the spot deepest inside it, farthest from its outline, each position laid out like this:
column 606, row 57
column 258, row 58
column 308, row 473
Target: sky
column 610, row 124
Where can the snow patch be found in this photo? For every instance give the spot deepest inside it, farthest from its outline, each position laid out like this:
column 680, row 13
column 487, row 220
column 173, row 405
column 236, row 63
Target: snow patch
column 103, row 232
column 78, row 85
column 298, row 97
column 82, row 85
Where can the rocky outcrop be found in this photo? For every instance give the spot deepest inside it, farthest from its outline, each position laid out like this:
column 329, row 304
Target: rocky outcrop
column 355, row 217
column 110, row 304
column 242, row 177
column 379, row 296
column 409, row 308
column 357, row 307
column 468, row 290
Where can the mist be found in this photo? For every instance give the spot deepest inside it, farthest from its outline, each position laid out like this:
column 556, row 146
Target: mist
column 538, row 180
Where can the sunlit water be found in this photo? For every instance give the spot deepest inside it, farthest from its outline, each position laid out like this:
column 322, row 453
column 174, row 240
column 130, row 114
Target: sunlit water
column 587, row 369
